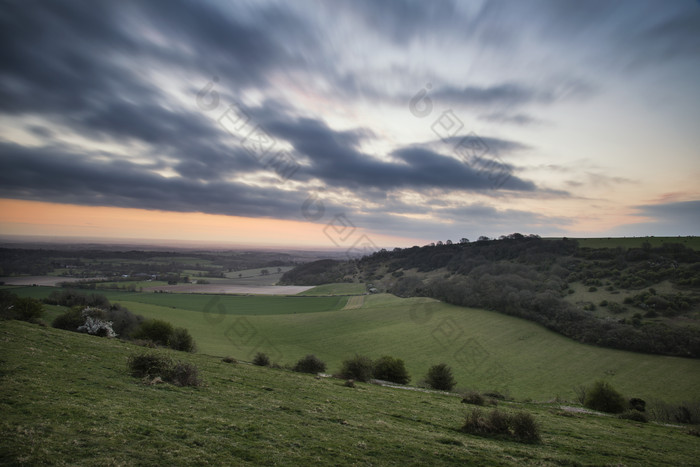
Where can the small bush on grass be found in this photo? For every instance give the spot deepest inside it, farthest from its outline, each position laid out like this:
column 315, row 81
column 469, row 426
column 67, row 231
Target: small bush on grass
column 90, row 320
column 149, row 364
column 495, row 395
column 520, row 426
column 580, row 392
column 95, row 323
column 359, row 368
column 634, row 415
column 310, row 364
column 440, row 377
column 261, row 359
column 123, row 321
column 499, row 422
column 603, row 397
column 182, row 340
column 391, row 369
column 153, row 365
column 184, row 374
column 687, row 412
column 474, row 398
column 26, row 309
column 638, row 404
column 525, row 428
column 155, row 330
column 229, row 360
column 71, row 320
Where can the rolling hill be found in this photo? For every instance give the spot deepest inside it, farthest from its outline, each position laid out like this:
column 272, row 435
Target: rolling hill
column 67, row 398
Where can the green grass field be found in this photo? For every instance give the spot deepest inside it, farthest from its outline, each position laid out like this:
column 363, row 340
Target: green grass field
column 67, row 399
column 342, row 288
column 487, row 350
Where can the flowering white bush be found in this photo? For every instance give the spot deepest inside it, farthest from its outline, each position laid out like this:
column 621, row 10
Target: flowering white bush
column 94, row 325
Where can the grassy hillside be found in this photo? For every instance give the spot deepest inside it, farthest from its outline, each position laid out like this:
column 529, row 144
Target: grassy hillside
column 341, row 288
column 66, row 398
column 487, row 350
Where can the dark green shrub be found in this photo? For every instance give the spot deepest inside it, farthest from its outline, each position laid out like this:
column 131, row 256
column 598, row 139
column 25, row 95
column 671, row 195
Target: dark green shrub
column 27, row 309
column 229, row 360
column 520, row 426
column 476, row 423
column 261, row 359
column 155, row 330
column 638, row 404
column 683, row 414
column 184, row 374
column 525, row 428
column 391, row 369
column 499, row 422
column 603, row 397
column 70, row 320
column 182, row 340
column 359, row 368
column 150, row 364
column 634, row 415
column 156, row 365
column 473, row 398
column 310, row 364
column 440, row 377
column 124, row 322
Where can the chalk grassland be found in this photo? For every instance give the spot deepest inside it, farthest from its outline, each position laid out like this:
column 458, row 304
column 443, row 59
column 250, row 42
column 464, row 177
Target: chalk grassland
column 487, row 350
column 66, row 398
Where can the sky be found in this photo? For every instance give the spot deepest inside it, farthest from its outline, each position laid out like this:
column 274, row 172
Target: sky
column 349, row 124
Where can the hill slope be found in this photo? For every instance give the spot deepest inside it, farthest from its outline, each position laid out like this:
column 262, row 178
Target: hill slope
column 67, row 398
column 487, row 350
column 653, row 304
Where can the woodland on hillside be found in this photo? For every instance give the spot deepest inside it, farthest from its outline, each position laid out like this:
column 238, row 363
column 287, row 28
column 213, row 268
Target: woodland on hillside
column 530, row 277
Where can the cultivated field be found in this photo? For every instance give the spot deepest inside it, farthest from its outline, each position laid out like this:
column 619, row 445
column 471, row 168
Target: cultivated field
column 229, row 289
column 342, row 288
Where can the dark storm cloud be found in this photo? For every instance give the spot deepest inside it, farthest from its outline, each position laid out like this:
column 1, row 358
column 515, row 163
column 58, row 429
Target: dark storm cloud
column 334, row 158
column 85, row 68
column 496, row 146
column 69, row 56
column 92, row 70
column 50, row 174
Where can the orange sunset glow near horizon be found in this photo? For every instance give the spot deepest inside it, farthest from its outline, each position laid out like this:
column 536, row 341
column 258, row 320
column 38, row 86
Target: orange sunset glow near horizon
column 111, row 224
column 334, row 125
